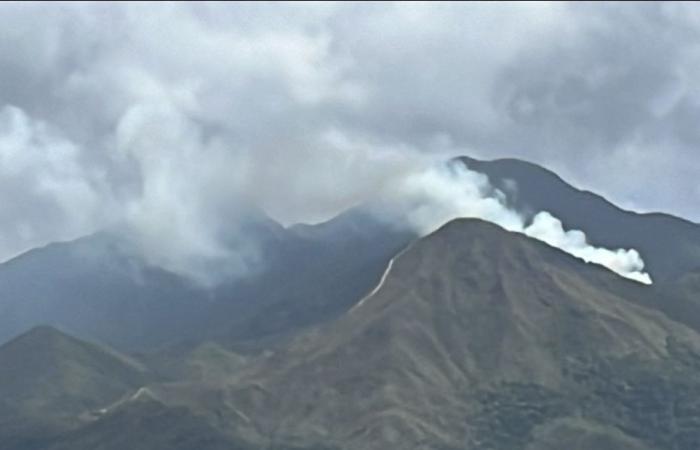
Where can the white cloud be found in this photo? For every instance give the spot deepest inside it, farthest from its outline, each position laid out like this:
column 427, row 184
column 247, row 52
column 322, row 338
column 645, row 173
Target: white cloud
column 45, row 190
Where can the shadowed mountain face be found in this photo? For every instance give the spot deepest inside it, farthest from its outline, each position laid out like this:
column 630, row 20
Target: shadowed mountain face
column 98, row 287
column 669, row 245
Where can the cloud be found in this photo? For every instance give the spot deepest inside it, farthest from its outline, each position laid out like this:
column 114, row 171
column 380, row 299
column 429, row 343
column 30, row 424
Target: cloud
column 44, row 188
column 173, row 116
column 185, row 212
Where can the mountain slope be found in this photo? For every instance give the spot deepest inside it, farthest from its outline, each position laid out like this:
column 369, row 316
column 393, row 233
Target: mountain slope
column 96, row 288
column 50, row 382
column 479, row 338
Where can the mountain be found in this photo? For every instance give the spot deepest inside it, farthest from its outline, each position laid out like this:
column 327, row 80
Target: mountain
column 51, row 382
column 317, row 273
column 473, row 338
column 669, row 245
column 99, row 287
column 482, row 339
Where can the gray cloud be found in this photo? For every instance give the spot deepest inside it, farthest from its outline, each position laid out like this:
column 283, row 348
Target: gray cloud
column 44, row 190
column 159, row 115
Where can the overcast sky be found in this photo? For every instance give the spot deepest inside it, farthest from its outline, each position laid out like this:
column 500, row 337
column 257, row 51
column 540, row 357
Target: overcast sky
column 158, row 114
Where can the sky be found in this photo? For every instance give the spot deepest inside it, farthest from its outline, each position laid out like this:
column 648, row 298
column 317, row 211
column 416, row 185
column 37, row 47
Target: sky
column 157, row 115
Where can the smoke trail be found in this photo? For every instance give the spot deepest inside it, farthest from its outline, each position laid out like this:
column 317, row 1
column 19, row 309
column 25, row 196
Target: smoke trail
column 428, row 198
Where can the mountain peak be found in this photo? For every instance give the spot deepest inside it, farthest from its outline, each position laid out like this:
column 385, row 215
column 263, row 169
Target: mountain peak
column 468, row 225
column 466, row 309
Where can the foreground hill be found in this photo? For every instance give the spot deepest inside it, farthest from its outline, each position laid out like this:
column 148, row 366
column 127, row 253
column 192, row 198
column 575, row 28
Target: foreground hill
column 51, row 382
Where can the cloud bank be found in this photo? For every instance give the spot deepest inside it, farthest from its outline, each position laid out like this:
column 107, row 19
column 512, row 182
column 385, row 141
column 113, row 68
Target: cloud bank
column 171, row 119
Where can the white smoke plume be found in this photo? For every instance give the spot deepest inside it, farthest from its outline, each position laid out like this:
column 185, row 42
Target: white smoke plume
column 439, row 193
column 549, row 229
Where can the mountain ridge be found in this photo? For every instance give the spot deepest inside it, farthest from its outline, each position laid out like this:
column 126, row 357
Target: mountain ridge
column 483, row 164
column 475, row 338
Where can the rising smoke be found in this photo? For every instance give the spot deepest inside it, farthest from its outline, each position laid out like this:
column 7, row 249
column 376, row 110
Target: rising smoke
column 439, row 193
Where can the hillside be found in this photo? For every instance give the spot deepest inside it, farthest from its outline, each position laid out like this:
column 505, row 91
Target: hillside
column 51, row 382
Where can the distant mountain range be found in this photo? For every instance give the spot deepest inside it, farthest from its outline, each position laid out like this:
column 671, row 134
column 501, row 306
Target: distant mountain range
column 358, row 336
column 99, row 288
